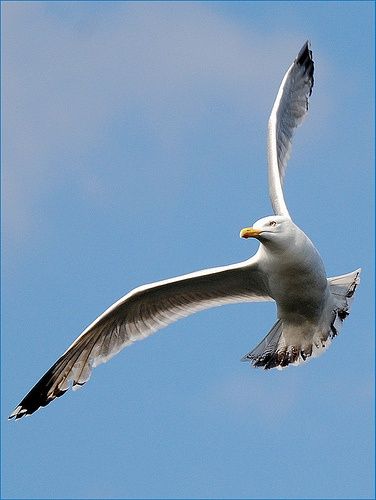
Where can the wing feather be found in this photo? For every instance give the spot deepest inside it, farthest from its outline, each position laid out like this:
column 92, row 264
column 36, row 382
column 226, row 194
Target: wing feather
column 289, row 110
column 137, row 315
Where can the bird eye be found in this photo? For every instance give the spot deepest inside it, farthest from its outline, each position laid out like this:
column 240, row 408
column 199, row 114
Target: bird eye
column 272, row 223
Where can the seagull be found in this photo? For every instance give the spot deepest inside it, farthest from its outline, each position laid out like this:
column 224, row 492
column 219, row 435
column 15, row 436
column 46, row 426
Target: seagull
column 286, row 269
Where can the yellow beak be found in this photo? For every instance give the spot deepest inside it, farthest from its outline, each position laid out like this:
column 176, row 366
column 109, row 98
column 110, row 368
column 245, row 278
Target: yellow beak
column 249, row 232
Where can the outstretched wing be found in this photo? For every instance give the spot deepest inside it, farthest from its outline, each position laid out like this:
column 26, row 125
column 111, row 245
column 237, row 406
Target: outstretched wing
column 290, row 107
column 138, row 314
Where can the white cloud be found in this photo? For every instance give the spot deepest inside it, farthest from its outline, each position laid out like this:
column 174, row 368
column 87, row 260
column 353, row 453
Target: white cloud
column 64, row 81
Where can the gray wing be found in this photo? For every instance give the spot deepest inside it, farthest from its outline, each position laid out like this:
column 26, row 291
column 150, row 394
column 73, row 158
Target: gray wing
column 137, row 315
column 290, row 107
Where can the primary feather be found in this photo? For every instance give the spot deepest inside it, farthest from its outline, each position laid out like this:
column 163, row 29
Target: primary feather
column 289, row 110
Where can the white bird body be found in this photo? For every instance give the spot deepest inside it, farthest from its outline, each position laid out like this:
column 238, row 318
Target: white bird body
column 296, row 280
column 290, row 271
column 286, row 269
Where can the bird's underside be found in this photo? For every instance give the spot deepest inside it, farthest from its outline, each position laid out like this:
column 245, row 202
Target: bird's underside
column 149, row 308
column 296, row 343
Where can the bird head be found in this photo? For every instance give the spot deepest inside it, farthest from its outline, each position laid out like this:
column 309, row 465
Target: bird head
column 275, row 229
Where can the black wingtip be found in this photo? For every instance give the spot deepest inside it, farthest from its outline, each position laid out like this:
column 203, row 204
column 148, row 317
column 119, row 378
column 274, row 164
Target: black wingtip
column 40, row 395
column 305, row 60
column 304, row 57
column 305, row 54
column 31, row 404
column 277, row 359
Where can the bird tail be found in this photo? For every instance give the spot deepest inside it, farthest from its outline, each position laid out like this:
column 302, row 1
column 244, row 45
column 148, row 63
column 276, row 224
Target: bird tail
column 275, row 351
column 342, row 289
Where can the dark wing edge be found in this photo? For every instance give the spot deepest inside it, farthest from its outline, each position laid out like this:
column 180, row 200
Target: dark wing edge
column 289, row 110
column 138, row 314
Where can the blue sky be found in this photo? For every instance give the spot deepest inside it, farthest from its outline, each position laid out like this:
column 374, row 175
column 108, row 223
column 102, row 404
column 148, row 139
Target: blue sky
column 133, row 149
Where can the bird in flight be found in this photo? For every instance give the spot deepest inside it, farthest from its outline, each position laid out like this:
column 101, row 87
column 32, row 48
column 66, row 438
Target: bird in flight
column 286, row 269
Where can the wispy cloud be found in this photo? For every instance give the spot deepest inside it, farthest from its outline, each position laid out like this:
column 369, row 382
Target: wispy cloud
column 65, row 81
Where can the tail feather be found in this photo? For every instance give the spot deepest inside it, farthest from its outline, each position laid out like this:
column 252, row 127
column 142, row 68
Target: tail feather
column 342, row 288
column 279, row 349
